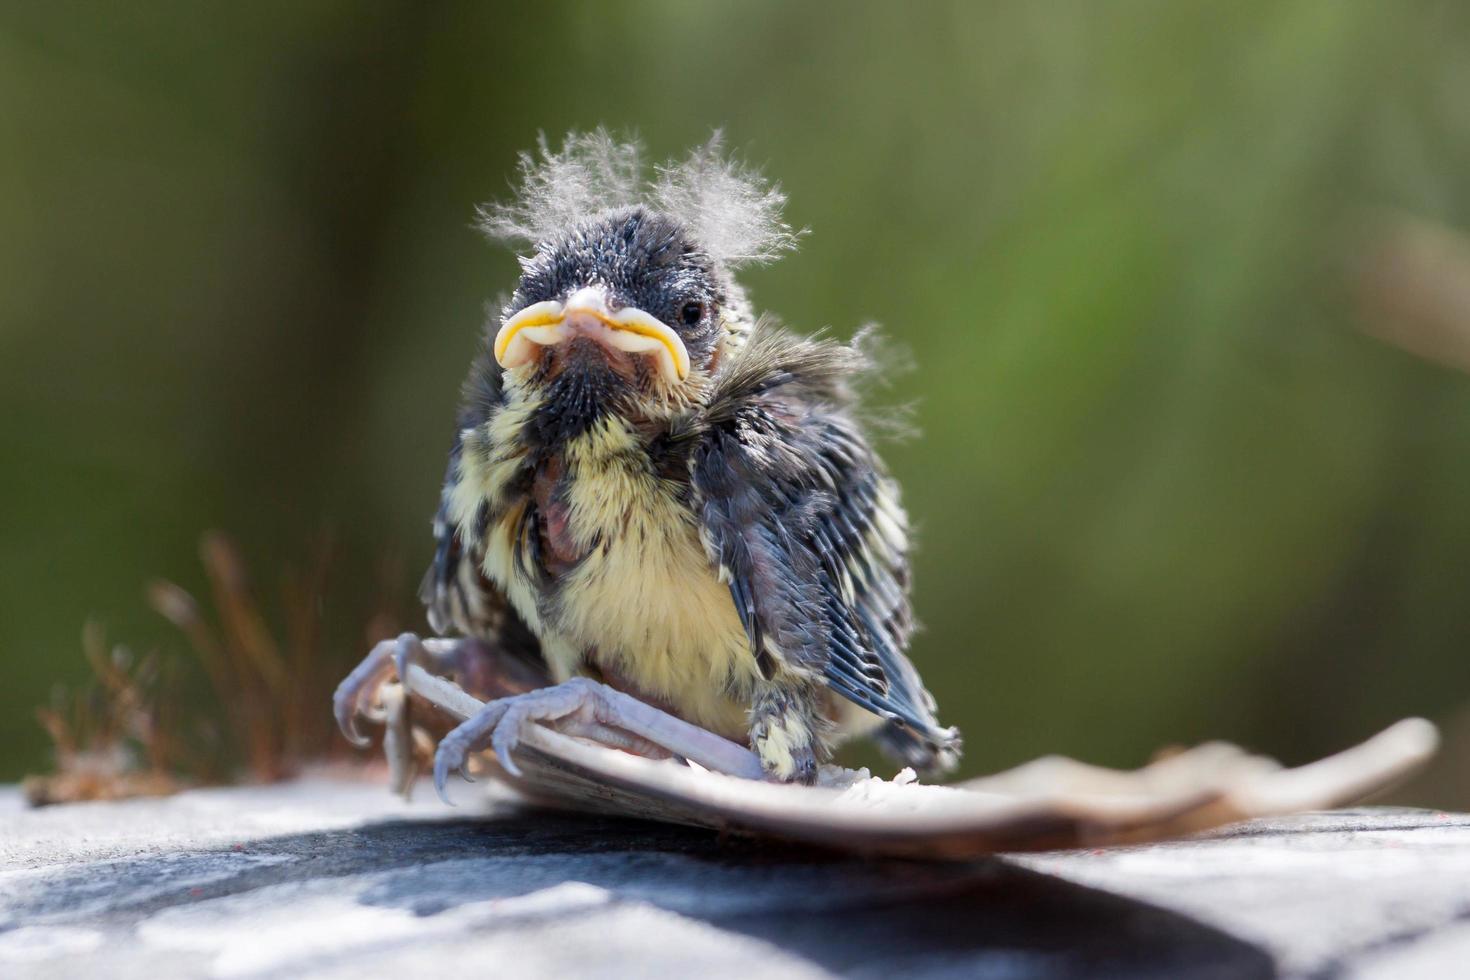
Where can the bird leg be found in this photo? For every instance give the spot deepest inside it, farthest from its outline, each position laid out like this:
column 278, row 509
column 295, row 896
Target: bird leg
column 585, row 708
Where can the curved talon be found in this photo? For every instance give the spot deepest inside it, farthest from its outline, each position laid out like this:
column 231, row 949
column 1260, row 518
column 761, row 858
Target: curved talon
column 348, row 727
column 356, row 690
column 456, row 745
column 503, row 746
column 354, row 697
column 344, row 709
column 441, row 776
column 446, row 758
column 501, row 721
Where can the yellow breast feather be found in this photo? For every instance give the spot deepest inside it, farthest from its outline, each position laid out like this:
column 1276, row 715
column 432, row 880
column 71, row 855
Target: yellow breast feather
column 646, row 597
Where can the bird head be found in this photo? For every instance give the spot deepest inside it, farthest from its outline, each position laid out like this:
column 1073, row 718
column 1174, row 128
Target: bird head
column 627, row 300
column 630, row 297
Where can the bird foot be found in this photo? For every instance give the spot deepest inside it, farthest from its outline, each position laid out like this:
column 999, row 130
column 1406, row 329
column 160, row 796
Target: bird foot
column 360, row 693
column 587, row 709
column 377, row 690
column 365, row 693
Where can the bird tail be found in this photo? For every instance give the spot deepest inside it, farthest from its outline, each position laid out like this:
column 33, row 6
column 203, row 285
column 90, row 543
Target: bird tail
column 930, row 752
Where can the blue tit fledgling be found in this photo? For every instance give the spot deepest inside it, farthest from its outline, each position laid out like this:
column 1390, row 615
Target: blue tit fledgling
column 653, row 490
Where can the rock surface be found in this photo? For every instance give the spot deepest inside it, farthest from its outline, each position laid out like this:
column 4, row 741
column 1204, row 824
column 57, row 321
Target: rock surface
column 328, row 878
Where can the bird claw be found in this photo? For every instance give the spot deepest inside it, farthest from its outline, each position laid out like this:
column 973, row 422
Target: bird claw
column 360, row 695
column 397, row 670
column 359, row 690
column 455, row 747
column 499, row 725
column 506, row 737
column 578, row 707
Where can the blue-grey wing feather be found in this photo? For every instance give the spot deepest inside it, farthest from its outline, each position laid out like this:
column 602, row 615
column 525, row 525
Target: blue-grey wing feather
column 797, row 511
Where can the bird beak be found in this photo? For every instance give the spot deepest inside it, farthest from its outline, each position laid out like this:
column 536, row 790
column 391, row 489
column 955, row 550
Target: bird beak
column 585, row 313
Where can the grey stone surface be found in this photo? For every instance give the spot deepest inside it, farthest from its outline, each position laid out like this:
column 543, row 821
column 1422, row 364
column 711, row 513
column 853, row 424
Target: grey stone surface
column 329, row 878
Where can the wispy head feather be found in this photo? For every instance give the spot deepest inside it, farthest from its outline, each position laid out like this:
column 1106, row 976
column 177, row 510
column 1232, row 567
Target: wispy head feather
column 726, row 207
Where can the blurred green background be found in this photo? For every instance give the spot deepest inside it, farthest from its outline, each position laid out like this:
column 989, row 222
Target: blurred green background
column 1166, row 489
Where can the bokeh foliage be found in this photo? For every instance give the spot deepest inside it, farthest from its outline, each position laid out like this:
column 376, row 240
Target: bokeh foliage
column 1165, row 488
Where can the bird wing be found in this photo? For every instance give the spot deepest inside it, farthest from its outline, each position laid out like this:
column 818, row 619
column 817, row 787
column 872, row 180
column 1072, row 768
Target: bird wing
column 807, row 529
column 458, row 595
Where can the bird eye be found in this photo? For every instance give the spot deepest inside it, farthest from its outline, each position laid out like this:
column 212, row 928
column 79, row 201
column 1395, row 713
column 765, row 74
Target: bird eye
column 691, row 313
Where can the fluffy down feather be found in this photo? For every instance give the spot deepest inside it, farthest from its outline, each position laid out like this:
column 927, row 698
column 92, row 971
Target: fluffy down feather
column 728, row 208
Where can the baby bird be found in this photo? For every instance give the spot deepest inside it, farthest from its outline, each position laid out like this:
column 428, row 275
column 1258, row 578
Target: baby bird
column 653, row 492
